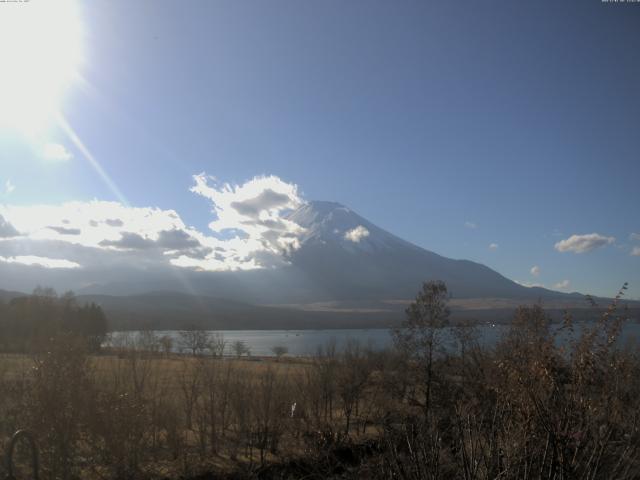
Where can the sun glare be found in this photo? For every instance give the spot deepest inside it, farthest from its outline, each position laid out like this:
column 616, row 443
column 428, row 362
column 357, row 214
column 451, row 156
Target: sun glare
column 40, row 50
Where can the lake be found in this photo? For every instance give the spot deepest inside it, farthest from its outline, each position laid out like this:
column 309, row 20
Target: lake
column 306, row 342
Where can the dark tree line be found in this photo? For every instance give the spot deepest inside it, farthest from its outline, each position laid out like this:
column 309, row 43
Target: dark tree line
column 27, row 323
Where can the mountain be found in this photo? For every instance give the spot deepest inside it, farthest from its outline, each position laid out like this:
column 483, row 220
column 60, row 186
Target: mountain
column 164, row 310
column 342, row 257
column 7, row 296
column 351, row 258
column 347, row 272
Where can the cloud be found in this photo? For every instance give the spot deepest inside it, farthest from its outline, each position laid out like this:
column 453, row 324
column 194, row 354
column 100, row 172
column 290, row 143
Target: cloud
column 470, row 225
column 634, row 237
column 32, row 260
column 114, row 222
column 176, row 240
column 6, row 229
column 169, row 242
column 250, row 230
column 146, row 237
column 129, row 241
column 66, row 231
column 635, row 252
column 265, row 201
column 9, row 187
column 56, row 152
column 583, row 243
column 253, row 214
column 530, row 284
column 493, row 246
column 356, row 234
column 564, row 284
column 535, row 271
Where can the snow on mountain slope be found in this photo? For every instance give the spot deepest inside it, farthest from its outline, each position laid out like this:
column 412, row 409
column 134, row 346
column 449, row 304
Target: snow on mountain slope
column 351, row 257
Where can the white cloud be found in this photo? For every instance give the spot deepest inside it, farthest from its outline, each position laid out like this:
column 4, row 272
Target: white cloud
column 66, row 230
column 535, row 271
column 471, row 225
column 9, row 187
column 57, row 222
column 254, row 213
column 56, row 152
column 583, row 243
column 635, row 252
column 356, row 234
column 530, row 284
column 564, row 284
column 493, row 246
column 33, row 260
column 250, row 230
column 634, row 237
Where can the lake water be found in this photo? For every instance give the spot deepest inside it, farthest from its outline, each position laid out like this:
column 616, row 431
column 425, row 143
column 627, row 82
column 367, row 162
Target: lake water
column 306, row 342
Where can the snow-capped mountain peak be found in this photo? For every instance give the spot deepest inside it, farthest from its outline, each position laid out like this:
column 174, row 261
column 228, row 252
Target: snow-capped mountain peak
column 348, row 255
column 333, row 223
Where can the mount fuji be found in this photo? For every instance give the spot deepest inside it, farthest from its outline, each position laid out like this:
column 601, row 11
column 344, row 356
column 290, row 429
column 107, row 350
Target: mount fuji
column 344, row 272
column 347, row 258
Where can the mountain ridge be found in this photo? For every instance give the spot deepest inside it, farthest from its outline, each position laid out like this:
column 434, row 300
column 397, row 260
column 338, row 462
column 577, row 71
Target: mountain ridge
column 380, row 258
column 346, row 273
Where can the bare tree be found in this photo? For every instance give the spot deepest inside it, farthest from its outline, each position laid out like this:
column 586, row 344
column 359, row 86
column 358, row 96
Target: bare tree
column 352, row 376
column 419, row 334
column 240, row 348
column 195, row 340
column 279, row 351
column 166, row 343
column 217, row 344
column 466, row 337
column 147, row 341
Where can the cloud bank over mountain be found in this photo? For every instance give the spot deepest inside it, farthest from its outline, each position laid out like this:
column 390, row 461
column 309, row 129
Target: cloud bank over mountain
column 264, row 241
column 249, row 231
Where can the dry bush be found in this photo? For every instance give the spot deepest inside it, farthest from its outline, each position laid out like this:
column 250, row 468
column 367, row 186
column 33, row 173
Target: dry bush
column 548, row 402
column 59, row 393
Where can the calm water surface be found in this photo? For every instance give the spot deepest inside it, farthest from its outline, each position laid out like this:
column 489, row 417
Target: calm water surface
column 306, row 342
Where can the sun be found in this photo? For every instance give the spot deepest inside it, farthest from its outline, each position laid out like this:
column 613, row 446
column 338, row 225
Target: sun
column 40, row 52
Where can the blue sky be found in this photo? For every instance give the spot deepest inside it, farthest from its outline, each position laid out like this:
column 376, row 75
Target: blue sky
column 520, row 118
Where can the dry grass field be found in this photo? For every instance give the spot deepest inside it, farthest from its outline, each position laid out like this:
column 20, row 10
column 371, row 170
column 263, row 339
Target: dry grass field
column 530, row 407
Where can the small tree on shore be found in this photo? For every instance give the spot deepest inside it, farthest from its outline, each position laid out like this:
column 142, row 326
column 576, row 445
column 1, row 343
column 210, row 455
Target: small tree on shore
column 217, row 344
column 279, row 351
column 195, row 340
column 419, row 335
column 240, row 348
column 166, row 343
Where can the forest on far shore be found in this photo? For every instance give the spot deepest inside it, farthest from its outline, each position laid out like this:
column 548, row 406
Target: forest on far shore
column 26, row 323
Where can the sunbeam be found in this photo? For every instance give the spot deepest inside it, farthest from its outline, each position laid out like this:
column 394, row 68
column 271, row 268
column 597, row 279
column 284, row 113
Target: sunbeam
column 68, row 129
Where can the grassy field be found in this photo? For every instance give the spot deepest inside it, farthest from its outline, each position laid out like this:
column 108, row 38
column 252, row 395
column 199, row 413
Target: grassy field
column 200, row 413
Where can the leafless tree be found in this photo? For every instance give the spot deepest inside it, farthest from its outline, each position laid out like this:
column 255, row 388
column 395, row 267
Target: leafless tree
column 197, row 341
column 419, row 335
column 217, row 344
column 279, row 351
column 166, row 344
column 240, row 348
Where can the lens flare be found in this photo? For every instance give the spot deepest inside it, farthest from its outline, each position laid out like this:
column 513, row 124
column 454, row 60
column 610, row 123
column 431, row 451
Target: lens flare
column 40, row 52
